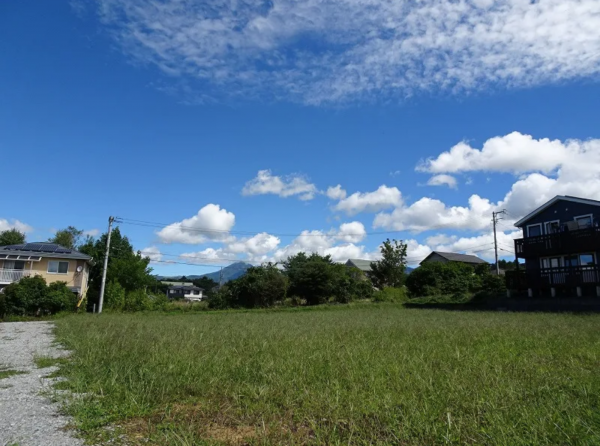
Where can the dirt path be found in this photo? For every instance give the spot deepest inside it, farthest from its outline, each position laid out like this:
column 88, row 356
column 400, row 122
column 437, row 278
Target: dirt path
column 26, row 417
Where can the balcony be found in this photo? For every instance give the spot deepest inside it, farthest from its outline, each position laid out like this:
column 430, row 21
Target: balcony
column 568, row 276
column 8, row 276
column 580, row 240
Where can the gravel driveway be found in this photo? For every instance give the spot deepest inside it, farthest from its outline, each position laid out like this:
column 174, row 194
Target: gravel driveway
column 26, row 417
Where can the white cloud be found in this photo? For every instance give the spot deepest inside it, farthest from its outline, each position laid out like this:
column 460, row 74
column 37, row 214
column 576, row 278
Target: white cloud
column 5, row 225
column 481, row 245
column 353, row 232
column 211, row 223
column 92, row 232
column 266, row 183
column 257, row 245
column 384, row 197
column 152, row 252
column 365, row 49
column 442, row 180
column 208, row 255
column 336, row 193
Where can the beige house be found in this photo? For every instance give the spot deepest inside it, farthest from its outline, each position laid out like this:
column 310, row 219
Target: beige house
column 53, row 262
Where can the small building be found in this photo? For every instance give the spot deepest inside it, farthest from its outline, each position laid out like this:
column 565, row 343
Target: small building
column 560, row 247
column 187, row 292
column 363, row 265
column 174, row 283
column 446, row 257
column 53, row 262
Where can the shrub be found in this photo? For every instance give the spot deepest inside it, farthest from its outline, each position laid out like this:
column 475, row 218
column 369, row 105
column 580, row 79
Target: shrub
column 58, row 298
column 260, row 287
column 24, row 298
column 114, row 296
column 390, row 294
column 437, row 278
column 221, row 298
column 160, row 302
column 493, row 284
column 137, row 300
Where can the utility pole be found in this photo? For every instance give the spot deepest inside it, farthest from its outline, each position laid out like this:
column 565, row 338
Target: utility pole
column 221, row 278
column 103, row 283
column 494, row 221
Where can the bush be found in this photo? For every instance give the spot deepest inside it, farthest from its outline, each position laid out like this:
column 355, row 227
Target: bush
column 493, row 284
column 114, row 296
column 390, row 294
column 261, row 286
column 437, row 278
column 220, row 299
column 160, row 302
column 137, row 300
column 30, row 296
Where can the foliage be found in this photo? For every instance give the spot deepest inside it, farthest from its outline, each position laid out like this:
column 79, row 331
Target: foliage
column 12, row 237
column 261, row 286
column 137, row 300
column 351, row 375
column 160, row 302
column 114, row 296
column 317, row 279
column 207, row 284
column 390, row 294
column 126, row 267
column 505, row 265
column 389, row 271
column 438, row 278
column 30, row 296
column 221, row 298
column 69, row 237
column 493, row 284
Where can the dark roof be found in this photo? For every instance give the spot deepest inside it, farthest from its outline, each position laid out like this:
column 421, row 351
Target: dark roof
column 363, row 265
column 546, row 205
column 186, row 288
column 43, row 249
column 454, row 257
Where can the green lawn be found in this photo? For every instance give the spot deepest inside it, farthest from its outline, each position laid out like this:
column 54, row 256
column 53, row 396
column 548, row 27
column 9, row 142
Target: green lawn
column 376, row 374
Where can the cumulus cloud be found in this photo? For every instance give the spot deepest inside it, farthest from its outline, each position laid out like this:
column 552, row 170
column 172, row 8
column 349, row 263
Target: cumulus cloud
column 5, row 225
column 384, row 197
column 336, row 193
column 152, row 252
column 367, row 49
column 257, row 245
column 209, row 255
column 267, row 183
column 210, row 223
column 353, row 232
column 442, row 180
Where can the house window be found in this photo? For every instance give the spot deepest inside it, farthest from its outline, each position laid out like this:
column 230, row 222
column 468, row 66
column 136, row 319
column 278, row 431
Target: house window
column 572, row 261
column 586, row 259
column 585, row 221
column 534, row 230
column 56, row 267
column 552, row 227
column 196, row 293
column 171, row 291
column 553, row 262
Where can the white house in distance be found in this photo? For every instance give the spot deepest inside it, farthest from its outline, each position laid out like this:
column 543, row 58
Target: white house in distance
column 188, row 292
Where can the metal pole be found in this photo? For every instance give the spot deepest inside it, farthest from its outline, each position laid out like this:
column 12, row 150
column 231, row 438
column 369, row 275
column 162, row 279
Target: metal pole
column 496, row 244
column 221, row 278
column 103, row 283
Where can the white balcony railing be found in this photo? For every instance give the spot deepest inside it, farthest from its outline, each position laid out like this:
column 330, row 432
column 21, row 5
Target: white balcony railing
column 12, row 275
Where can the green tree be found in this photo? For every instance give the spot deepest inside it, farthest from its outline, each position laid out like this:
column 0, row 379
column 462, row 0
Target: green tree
column 261, row 286
column 389, row 271
column 30, row 296
column 11, row 237
column 438, row 278
column 59, row 298
column 69, row 238
column 114, row 296
column 125, row 266
column 137, row 300
column 207, row 284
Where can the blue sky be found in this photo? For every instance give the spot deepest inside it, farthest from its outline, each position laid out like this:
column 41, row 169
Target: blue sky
column 243, row 117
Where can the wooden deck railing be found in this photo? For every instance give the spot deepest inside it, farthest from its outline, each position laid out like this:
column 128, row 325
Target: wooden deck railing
column 571, row 276
column 581, row 240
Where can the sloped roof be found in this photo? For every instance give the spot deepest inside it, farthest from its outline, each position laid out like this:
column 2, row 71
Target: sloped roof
column 455, row 257
column 186, row 288
column 363, row 265
column 43, row 249
column 546, row 205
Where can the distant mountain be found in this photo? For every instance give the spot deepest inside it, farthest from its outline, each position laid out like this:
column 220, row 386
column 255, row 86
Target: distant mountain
column 409, row 270
column 230, row 272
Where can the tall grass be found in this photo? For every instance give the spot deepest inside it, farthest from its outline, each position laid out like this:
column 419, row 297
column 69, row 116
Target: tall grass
column 366, row 375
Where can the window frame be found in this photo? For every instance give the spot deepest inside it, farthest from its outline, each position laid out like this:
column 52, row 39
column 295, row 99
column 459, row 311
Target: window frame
column 535, row 224
column 58, row 262
column 593, row 254
column 585, row 216
column 549, row 222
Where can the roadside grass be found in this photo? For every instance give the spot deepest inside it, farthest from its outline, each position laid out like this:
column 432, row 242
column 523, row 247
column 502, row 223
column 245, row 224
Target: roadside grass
column 42, row 362
column 7, row 373
column 376, row 374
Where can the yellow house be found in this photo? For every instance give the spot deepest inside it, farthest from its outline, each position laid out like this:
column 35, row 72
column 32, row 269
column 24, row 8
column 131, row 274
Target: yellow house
column 53, row 262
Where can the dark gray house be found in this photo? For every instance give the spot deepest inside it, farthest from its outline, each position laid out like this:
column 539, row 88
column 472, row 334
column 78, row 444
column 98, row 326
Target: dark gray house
column 363, row 265
column 560, row 247
column 445, row 257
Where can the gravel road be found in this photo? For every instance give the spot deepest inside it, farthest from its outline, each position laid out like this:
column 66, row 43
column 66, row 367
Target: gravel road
column 26, row 417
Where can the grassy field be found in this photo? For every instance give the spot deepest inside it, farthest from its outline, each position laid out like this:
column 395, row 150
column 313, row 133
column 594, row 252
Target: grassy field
column 377, row 374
